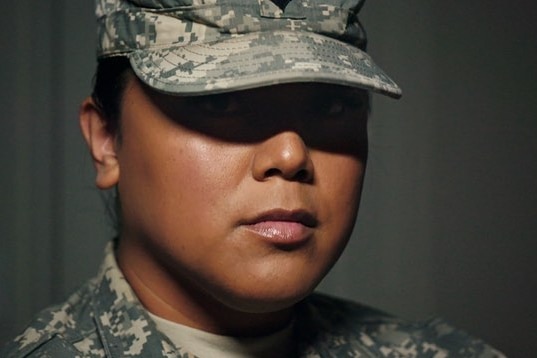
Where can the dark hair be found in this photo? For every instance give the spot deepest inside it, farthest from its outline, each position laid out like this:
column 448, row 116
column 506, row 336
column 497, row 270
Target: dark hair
column 109, row 84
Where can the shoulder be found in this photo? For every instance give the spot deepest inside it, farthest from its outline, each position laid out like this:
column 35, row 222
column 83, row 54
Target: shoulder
column 349, row 327
column 59, row 330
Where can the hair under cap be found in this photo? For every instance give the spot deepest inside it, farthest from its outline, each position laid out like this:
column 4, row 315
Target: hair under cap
column 195, row 47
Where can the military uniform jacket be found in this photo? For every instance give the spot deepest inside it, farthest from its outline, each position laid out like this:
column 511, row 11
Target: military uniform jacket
column 105, row 319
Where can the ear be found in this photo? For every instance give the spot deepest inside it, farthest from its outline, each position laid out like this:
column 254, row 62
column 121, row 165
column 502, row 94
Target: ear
column 101, row 143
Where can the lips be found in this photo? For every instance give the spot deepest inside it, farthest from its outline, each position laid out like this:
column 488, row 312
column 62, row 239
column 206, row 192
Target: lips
column 283, row 227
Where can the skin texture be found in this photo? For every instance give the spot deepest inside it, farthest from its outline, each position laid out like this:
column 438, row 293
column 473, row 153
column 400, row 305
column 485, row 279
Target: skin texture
column 234, row 206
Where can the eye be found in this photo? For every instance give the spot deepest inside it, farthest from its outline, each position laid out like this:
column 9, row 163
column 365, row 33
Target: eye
column 331, row 107
column 340, row 103
column 218, row 105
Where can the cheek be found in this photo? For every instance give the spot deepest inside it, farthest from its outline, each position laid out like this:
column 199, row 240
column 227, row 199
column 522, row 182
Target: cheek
column 339, row 174
column 209, row 174
column 340, row 180
column 173, row 184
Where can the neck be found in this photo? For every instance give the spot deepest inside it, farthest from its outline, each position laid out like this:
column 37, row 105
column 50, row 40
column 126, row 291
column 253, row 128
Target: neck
column 171, row 295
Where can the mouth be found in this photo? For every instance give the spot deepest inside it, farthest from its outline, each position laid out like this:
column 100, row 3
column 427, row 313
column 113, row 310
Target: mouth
column 283, row 227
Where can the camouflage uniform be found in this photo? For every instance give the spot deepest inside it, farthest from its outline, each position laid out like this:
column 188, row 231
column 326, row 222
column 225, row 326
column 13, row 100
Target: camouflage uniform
column 105, row 319
column 198, row 47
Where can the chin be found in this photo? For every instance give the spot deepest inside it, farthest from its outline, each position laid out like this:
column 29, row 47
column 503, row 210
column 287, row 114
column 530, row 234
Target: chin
column 270, row 288
column 267, row 298
column 264, row 305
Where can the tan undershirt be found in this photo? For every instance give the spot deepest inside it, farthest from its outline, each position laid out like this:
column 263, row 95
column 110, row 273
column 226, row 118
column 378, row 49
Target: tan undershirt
column 208, row 345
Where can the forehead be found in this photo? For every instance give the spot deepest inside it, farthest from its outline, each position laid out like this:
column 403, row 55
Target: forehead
column 162, row 4
column 328, row 118
column 291, row 97
column 274, row 108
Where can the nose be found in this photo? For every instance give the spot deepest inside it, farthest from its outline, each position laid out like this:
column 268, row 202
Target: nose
column 283, row 155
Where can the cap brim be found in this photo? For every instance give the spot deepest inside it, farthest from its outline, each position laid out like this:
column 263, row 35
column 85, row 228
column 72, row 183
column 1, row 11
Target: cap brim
column 256, row 60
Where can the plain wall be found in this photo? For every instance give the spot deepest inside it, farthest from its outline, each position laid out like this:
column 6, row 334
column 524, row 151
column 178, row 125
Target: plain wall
column 447, row 224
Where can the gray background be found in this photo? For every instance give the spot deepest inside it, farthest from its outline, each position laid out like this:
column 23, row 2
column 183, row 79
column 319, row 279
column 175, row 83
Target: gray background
column 448, row 222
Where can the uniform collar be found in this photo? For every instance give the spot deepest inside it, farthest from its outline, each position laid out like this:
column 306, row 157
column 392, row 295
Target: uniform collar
column 126, row 329
column 122, row 322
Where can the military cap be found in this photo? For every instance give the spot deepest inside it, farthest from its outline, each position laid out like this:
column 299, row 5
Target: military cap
column 195, row 47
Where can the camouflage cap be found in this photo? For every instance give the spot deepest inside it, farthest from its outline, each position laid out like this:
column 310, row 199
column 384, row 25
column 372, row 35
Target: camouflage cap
column 192, row 47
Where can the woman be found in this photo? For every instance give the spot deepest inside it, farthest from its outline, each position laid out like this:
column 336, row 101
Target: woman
column 235, row 136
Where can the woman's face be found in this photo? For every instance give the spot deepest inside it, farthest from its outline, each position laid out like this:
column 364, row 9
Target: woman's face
column 247, row 198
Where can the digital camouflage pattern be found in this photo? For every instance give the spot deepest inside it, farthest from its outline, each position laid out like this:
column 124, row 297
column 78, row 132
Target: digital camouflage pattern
column 190, row 47
column 105, row 319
